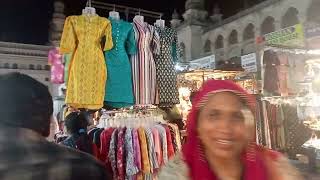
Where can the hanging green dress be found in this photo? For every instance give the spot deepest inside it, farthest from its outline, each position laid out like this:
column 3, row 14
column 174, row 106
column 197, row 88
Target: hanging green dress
column 119, row 92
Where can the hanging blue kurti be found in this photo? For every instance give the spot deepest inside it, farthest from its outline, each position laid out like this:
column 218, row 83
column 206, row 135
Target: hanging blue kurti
column 119, row 92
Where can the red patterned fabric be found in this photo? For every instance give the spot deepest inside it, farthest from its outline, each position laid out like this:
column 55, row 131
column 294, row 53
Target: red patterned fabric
column 105, row 139
column 96, row 151
column 169, row 143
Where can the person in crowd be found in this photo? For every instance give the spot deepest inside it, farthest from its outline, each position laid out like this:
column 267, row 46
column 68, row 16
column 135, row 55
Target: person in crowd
column 192, row 95
column 26, row 108
column 173, row 116
column 54, row 129
column 90, row 115
column 221, row 140
column 60, row 119
column 76, row 124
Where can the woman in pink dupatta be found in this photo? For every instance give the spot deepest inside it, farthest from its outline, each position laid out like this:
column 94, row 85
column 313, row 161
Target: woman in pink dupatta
column 221, row 140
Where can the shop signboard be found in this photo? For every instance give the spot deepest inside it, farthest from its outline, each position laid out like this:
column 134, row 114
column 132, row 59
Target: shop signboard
column 207, row 62
column 181, row 67
column 289, row 37
column 249, row 62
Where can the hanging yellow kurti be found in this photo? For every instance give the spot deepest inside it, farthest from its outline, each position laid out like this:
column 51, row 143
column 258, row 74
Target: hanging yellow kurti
column 87, row 74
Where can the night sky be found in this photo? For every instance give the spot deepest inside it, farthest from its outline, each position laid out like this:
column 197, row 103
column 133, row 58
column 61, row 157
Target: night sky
column 27, row 21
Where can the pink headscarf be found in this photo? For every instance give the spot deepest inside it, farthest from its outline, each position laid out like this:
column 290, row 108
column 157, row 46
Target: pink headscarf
column 193, row 153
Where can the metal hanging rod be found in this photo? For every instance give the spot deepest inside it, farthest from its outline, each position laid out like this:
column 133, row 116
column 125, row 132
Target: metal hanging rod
column 126, row 9
column 89, row 3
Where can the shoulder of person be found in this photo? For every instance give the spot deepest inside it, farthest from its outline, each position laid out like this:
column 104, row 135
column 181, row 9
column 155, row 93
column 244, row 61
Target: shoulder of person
column 280, row 168
column 81, row 164
column 176, row 169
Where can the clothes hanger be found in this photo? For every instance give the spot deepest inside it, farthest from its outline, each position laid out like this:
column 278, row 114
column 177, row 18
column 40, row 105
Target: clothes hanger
column 139, row 17
column 160, row 22
column 130, row 121
column 114, row 14
column 102, row 121
column 89, row 10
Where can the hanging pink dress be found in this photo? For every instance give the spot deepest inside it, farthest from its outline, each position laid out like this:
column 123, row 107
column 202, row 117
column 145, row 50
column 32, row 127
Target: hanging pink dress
column 57, row 67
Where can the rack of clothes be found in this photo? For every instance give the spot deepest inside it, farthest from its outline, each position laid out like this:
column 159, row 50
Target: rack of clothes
column 278, row 125
column 134, row 66
column 134, row 144
column 282, row 72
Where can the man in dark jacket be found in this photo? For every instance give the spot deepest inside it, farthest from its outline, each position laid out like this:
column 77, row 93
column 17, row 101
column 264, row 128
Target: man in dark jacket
column 25, row 111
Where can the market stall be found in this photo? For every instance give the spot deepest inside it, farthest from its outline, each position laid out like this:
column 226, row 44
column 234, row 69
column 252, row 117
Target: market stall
column 288, row 110
column 125, row 71
column 192, row 75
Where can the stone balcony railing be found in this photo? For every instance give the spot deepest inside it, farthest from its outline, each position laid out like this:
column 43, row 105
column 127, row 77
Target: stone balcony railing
column 26, row 71
column 24, row 49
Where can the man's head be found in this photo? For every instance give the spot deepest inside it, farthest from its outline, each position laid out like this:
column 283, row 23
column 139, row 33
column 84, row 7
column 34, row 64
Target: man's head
column 25, row 103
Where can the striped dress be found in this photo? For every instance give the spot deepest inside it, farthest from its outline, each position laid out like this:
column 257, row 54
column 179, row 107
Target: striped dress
column 143, row 64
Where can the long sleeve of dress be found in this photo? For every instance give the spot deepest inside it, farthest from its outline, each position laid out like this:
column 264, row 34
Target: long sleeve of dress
column 131, row 44
column 175, row 49
column 156, row 42
column 68, row 39
column 108, row 33
column 67, row 62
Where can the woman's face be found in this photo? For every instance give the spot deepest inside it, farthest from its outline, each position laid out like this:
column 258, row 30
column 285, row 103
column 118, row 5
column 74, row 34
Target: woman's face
column 221, row 126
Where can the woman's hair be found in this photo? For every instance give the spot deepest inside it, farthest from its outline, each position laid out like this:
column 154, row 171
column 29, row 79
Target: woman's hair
column 75, row 122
